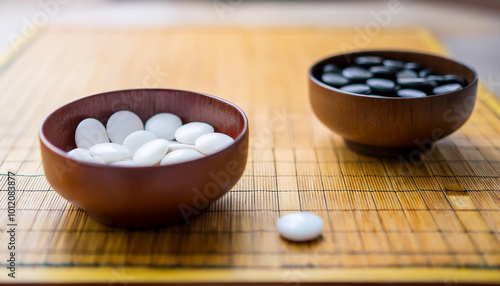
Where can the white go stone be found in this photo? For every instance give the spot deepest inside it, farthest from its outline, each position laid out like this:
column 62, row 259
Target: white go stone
column 188, row 133
column 79, row 153
column 109, row 152
column 164, row 125
column 212, row 143
column 181, row 155
column 82, row 154
column 95, row 160
column 121, row 124
column 136, row 139
column 300, row 226
column 124, row 163
column 90, row 132
column 174, row 145
column 151, row 153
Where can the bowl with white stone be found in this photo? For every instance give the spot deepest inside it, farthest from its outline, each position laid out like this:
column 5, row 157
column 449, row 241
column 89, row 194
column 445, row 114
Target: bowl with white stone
column 144, row 195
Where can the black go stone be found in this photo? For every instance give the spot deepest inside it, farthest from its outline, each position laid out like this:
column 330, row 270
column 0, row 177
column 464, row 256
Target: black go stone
column 381, row 86
column 407, row 92
column 425, row 72
column 334, row 79
column 383, row 72
column 330, row 68
column 446, row 88
column 368, row 61
column 398, row 65
column 417, row 83
column 356, row 74
column 358, row 88
column 413, row 66
column 451, row 78
column 407, row 74
column 439, row 79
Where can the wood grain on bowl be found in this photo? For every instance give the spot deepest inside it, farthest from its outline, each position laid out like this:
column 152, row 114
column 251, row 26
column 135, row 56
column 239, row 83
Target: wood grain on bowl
column 144, row 196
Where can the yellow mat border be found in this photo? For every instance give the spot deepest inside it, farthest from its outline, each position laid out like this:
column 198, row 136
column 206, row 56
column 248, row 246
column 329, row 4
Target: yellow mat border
column 451, row 276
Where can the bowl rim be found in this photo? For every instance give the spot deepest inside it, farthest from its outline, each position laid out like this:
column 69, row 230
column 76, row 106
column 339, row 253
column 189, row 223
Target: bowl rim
column 58, row 151
column 325, row 59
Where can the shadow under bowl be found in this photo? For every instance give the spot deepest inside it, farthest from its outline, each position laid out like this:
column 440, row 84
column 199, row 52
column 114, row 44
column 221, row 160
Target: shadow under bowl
column 144, row 196
column 392, row 126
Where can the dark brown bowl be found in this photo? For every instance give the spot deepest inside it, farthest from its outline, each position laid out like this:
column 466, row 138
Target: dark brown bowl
column 144, row 196
column 389, row 126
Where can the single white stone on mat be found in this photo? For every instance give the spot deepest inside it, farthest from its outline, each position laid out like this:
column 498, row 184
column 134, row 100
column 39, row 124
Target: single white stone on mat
column 181, row 155
column 300, row 226
column 124, row 163
column 121, row 124
column 164, row 125
column 89, row 132
column 212, row 143
column 151, row 153
column 109, row 152
column 188, row 133
column 136, row 139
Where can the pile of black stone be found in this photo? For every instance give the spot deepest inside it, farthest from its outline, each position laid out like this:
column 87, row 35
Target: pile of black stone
column 373, row 75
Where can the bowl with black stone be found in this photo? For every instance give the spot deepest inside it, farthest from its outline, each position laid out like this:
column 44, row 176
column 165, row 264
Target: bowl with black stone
column 391, row 103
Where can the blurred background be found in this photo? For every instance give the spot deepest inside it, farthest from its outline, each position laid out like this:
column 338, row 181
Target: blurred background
column 470, row 29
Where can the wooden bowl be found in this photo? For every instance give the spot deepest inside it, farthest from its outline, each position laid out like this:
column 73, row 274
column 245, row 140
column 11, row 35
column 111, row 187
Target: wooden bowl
column 144, row 196
column 391, row 126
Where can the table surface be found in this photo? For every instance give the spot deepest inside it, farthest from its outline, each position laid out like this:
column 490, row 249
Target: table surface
column 385, row 220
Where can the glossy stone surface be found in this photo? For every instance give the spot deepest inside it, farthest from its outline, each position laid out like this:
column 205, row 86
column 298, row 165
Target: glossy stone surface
column 451, row 78
column 413, row 66
column 121, row 124
column 446, row 88
column 334, row 79
column 406, row 74
column 425, row 72
column 109, row 152
column 163, row 125
column 151, row 153
column 411, row 93
column 124, row 163
column 331, row 68
column 90, row 132
column 136, row 139
column 416, row 83
column 383, row 72
column 188, row 133
column 82, row 154
column 381, row 86
column 180, row 156
column 212, row 143
column 357, row 88
column 368, row 61
column 300, row 226
column 397, row 65
column 356, row 74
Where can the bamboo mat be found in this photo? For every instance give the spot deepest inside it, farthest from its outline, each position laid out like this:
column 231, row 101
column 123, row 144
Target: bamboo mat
column 385, row 220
